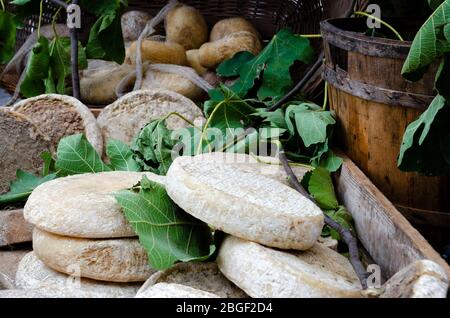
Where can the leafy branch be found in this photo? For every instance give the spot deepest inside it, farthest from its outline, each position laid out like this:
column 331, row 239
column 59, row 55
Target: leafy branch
column 105, row 42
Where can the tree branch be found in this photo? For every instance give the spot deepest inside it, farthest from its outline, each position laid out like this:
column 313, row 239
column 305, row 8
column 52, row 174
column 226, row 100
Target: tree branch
column 74, row 61
column 345, row 234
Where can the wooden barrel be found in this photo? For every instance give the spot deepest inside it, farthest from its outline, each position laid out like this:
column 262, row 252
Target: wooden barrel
column 374, row 105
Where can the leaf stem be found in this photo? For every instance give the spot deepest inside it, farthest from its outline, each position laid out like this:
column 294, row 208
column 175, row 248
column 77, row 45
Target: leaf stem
column 3, row 5
column 54, row 21
column 186, row 120
column 311, row 36
column 181, row 117
column 41, row 9
column 295, row 164
column 208, row 122
column 325, row 99
column 397, row 34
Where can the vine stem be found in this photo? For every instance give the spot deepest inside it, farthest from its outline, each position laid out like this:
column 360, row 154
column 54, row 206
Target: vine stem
column 41, row 9
column 311, row 36
column 199, row 147
column 325, row 99
column 390, row 27
column 345, row 234
column 3, row 5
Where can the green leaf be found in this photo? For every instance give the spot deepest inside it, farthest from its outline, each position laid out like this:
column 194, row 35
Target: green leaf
column 121, row 156
column 276, row 118
column 167, row 233
column 228, row 114
column 424, row 139
column 22, row 187
column 20, row 2
column 275, row 61
column 430, row 43
column 106, row 40
column 60, row 61
column 421, row 126
column 341, row 216
column 230, row 111
column 322, row 190
column 311, row 123
column 49, row 83
column 49, row 163
column 37, row 69
column 153, row 147
column 76, row 156
column 230, row 68
column 7, row 36
column 331, row 162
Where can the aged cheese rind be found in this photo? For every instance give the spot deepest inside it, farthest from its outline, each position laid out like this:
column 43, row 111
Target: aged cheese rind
column 84, row 205
column 165, row 290
column 123, row 119
column 114, row 260
column 244, row 204
column 421, row 279
column 203, row 276
column 264, row 272
column 58, row 116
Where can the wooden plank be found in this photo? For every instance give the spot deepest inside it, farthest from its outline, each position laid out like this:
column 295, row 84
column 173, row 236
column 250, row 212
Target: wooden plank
column 13, row 228
column 386, row 234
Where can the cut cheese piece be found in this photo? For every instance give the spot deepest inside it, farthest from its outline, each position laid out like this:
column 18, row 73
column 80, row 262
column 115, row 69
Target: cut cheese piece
column 244, row 204
column 165, row 290
column 21, row 146
column 33, row 274
column 114, row 260
column 263, row 272
column 58, row 116
column 202, row 276
column 421, row 279
column 84, row 205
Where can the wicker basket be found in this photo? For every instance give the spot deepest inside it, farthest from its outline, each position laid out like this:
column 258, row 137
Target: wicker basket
column 269, row 16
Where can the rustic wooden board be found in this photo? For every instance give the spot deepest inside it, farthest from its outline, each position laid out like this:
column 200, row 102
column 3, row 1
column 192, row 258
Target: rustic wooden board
column 13, row 228
column 386, row 234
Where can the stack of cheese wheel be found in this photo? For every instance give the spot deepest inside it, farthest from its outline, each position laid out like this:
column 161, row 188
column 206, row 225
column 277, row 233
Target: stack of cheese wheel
column 80, row 231
column 272, row 248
